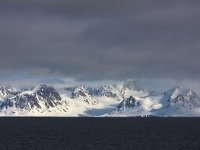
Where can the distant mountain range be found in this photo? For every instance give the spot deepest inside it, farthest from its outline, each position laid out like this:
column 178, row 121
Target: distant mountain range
column 115, row 100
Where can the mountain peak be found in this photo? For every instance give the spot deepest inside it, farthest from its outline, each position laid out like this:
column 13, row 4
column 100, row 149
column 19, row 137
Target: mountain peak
column 6, row 90
column 47, row 91
column 130, row 102
column 179, row 90
column 120, row 100
column 183, row 96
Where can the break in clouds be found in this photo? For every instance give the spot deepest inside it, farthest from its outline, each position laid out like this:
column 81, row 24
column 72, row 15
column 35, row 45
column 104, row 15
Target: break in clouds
column 101, row 40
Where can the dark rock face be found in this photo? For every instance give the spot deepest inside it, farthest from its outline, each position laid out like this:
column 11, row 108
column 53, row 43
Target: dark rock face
column 6, row 103
column 79, row 91
column 104, row 91
column 26, row 101
column 48, row 95
column 83, row 91
column 48, row 92
column 79, row 94
column 129, row 103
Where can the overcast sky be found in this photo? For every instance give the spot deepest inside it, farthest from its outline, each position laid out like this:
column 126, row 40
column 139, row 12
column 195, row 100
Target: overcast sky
column 90, row 40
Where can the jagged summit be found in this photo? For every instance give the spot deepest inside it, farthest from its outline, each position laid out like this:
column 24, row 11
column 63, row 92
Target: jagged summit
column 129, row 107
column 183, row 95
column 106, row 91
column 7, row 90
column 82, row 93
column 121, row 99
column 128, row 103
column 41, row 98
column 48, row 92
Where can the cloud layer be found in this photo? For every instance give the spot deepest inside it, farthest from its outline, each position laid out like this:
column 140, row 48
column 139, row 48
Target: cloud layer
column 94, row 40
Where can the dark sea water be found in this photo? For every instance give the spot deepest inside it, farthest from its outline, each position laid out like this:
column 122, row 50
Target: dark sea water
column 99, row 133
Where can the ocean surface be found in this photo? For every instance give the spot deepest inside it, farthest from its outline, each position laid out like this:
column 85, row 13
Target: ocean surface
column 28, row 133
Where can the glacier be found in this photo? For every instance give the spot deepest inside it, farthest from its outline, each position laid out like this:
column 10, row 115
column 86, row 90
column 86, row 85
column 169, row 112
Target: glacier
column 122, row 99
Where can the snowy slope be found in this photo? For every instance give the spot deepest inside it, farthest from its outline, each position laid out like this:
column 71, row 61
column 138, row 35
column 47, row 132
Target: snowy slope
column 7, row 90
column 34, row 101
column 121, row 99
column 129, row 107
column 177, row 101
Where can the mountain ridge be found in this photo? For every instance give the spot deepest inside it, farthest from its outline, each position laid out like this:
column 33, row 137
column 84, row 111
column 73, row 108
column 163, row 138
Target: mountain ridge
column 111, row 100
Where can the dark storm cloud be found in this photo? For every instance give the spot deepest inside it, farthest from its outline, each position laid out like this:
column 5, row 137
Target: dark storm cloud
column 108, row 39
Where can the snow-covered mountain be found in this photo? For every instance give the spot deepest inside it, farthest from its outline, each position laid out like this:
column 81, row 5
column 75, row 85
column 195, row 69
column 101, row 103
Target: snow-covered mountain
column 129, row 107
column 179, row 101
column 37, row 100
column 7, row 90
column 121, row 99
column 185, row 97
column 82, row 93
